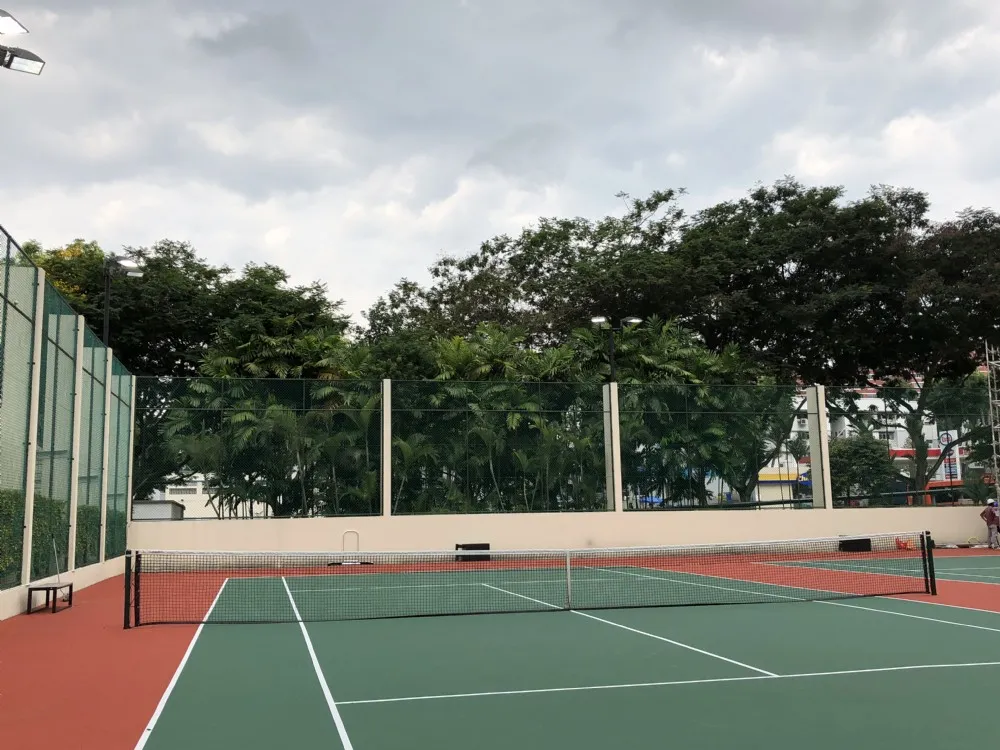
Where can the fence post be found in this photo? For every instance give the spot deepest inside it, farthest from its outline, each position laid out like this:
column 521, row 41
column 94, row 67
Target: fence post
column 74, row 455
column 31, row 460
column 109, row 355
column 613, row 449
column 819, row 447
column 385, row 452
column 131, row 460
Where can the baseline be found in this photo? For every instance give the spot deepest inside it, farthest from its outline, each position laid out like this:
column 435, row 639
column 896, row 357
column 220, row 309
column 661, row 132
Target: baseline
column 148, row 731
column 672, row 683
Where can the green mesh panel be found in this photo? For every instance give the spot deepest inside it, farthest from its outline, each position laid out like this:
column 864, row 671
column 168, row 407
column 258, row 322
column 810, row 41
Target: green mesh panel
column 17, row 306
column 54, row 467
column 118, row 447
column 687, row 446
column 498, row 447
column 261, row 447
column 89, row 476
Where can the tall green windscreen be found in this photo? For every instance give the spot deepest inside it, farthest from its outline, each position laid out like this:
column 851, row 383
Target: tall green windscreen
column 17, row 312
column 54, row 467
column 89, row 469
column 118, row 463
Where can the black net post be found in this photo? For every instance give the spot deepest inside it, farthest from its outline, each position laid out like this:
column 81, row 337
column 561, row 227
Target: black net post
column 930, row 564
column 128, row 587
column 923, row 563
column 135, row 591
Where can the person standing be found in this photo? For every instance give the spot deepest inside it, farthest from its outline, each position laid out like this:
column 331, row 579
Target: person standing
column 992, row 519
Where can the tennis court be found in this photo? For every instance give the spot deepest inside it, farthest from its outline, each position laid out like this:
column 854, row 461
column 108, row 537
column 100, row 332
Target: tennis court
column 803, row 644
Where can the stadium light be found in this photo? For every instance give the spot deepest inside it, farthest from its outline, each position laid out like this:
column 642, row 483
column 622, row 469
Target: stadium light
column 9, row 24
column 15, row 58
column 21, row 60
column 600, row 321
column 115, row 266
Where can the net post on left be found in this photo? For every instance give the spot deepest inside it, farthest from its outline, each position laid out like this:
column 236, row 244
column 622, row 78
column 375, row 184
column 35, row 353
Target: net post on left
column 128, row 588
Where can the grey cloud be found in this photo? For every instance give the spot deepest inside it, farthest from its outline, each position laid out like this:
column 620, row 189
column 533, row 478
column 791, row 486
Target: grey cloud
column 848, row 24
column 538, row 152
column 279, row 33
column 584, row 96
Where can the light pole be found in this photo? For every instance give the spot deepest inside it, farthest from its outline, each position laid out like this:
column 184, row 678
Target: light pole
column 115, row 265
column 15, row 58
column 601, row 321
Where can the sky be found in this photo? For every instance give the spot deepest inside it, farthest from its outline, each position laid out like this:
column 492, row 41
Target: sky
column 354, row 143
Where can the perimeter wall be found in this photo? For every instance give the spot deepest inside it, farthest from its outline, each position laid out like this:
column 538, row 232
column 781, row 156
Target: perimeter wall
column 551, row 530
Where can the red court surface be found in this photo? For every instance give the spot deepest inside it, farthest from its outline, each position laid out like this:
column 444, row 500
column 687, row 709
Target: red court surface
column 78, row 679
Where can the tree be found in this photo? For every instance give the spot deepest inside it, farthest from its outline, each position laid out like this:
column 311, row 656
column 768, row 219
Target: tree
column 160, row 324
column 807, row 284
column 163, row 323
column 958, row 406
column 860, row 466
column 548, row 280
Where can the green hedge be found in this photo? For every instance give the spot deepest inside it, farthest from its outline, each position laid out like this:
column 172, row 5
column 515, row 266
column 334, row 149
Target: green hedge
column 88, row 534
column 51, row 521
column 11, row 537
column 115, row 543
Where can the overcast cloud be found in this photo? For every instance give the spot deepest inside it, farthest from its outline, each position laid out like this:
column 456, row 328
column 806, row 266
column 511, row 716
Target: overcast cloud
column 355, row 142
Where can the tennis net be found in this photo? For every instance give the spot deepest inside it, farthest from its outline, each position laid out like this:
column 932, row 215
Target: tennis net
column 255, row 587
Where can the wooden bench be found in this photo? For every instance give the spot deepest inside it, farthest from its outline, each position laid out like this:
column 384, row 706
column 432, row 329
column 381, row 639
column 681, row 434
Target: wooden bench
column 51, row 595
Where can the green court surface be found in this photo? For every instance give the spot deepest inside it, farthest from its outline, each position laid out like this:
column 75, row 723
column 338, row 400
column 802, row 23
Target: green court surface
column 860, row 673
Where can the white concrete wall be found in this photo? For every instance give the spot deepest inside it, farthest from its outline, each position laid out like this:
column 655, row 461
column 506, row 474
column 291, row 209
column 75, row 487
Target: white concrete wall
column 550, row 530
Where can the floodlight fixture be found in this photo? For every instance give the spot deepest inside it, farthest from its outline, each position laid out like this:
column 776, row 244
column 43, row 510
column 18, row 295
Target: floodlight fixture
column 21, row 60
column 602, row 321
column 131, row 268
column 10, row 25
column 115, row 265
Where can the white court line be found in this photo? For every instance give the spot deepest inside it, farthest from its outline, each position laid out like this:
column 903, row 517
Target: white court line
column 943, row 604
column 994, row 556
column 748, row 678
column 800, row 599
column 639, row 632
column 945, row 572
column 148, row 731
column 941, row 572
column 451, row 585
column 330, row 703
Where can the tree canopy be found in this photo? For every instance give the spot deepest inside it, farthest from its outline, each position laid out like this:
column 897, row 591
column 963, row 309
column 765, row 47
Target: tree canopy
column 498, row 366
column 805, row 283
column 164, row 323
